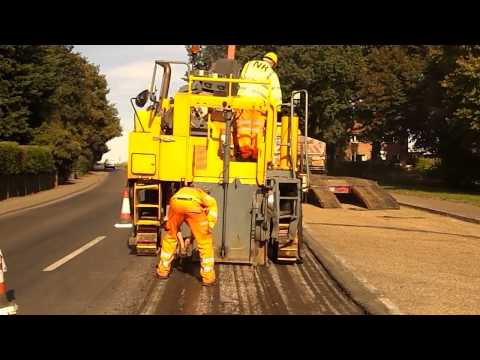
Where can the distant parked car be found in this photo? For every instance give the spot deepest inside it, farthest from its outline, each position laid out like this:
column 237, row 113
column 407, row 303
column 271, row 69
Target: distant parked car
column 98, row 166
column 109, row 165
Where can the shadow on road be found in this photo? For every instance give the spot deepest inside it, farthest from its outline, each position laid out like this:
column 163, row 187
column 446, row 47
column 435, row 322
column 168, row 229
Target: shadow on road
column 10, row 295
column 188, row 266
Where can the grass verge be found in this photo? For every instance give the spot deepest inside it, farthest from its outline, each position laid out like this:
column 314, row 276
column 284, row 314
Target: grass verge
column 442, row 193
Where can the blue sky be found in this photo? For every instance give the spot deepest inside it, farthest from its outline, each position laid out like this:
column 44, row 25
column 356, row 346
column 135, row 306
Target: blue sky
column 128, row 69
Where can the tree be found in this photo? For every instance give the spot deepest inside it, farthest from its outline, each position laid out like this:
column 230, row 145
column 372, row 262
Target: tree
column 428, row 93
column 48, row 91
column 25, row 80
column 387, row 83
column 327, row 72
column 449, row 107
column 65, row 147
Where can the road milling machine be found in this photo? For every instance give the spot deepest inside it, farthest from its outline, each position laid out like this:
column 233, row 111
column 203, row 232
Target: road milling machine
column 191, row 138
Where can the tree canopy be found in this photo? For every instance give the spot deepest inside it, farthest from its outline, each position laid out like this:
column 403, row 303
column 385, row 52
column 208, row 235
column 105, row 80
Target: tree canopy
column 430, row 94
column 50, row 95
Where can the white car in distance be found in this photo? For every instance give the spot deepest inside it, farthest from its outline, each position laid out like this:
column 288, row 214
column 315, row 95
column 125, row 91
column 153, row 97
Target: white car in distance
column 109, row 164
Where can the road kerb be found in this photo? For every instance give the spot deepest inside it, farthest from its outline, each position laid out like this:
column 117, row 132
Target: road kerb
column 440, row 212
column 363, row 293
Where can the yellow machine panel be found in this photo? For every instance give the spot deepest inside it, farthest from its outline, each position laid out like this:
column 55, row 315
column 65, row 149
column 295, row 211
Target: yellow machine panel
column 143, row 164
column 173, row 158
column 143, row 154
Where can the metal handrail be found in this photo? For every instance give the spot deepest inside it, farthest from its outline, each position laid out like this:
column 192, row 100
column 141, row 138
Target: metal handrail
column 305, row 150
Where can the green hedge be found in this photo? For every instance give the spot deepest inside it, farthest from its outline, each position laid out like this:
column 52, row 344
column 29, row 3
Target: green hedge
column 10, row 158
column 26, row 159
column 82, row 165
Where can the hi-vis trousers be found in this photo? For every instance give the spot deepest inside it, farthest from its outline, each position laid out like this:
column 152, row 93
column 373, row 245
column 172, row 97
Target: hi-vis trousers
column 192, row 212
column 249, row 128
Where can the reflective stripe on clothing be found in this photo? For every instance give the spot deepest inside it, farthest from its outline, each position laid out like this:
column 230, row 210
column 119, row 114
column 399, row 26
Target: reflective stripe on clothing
column 250, row 127
column 166, row 255
column 179, row 212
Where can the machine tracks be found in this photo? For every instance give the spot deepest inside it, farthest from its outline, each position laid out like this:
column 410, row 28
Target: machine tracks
column 305, row 289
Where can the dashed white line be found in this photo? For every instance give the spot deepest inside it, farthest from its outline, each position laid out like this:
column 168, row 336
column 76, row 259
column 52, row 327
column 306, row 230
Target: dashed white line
column 77, row 252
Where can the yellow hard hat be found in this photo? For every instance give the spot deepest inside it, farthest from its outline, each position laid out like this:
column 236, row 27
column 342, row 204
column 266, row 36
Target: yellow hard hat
column 272, row 56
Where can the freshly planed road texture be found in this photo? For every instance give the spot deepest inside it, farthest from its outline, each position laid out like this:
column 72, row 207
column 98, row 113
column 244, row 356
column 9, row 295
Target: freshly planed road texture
column 304, row 289
column 67, row 258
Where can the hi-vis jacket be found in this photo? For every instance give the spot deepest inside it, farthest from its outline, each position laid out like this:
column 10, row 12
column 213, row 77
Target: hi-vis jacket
column 259, row 70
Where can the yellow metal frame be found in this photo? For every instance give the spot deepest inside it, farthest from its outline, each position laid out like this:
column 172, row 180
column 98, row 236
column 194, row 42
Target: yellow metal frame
column 174, row 157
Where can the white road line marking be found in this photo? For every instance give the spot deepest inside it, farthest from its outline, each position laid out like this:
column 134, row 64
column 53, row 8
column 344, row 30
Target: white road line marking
column 73, row 254
column 123, row 226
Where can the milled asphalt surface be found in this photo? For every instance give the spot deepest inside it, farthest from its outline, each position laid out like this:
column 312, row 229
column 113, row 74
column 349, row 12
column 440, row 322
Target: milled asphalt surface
column 304, row 289
column 420, row 262
column 463, row 211
column 107, row 279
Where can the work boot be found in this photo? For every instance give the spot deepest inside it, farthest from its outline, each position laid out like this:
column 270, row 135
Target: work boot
column 162, row 273
column 208, row 283
column 209, row 280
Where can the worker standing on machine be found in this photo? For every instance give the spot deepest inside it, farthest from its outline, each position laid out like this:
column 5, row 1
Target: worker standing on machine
column 199, row 210
column 250, row 123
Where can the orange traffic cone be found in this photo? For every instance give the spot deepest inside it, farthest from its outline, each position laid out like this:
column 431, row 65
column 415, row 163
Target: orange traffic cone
column 125, row 216
column 6, row 307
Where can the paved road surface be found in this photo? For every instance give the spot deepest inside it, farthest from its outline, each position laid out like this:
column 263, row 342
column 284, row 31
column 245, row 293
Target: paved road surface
column 274, row 290
column 463, row 211
column 101, row 277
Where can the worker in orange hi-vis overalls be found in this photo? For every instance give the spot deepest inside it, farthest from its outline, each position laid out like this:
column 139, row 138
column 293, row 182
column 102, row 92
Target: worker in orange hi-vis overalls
column 199, row 210
column 250, row 124
column 249, row 127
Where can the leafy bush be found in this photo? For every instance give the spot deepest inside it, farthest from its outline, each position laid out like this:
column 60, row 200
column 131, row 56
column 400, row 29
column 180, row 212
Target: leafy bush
column 10, row 158
column 424, row 164
column 37, row 160
column 16, row 159
column 82, row 165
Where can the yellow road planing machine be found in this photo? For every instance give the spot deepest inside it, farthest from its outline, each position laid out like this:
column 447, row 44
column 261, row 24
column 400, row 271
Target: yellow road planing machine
column 191, row 138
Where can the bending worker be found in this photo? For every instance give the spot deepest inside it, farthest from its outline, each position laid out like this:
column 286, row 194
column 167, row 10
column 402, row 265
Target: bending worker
column 250, row 123
column 199, row 210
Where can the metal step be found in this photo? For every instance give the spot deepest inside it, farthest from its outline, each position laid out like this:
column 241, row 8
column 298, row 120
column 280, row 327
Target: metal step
column 293, row 217
column 148, row 222
column 147, row 187
column 146, row 206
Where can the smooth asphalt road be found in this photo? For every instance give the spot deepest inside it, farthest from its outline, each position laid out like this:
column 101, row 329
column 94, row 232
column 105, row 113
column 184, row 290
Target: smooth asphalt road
column 106, row 279
column 35, row 239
